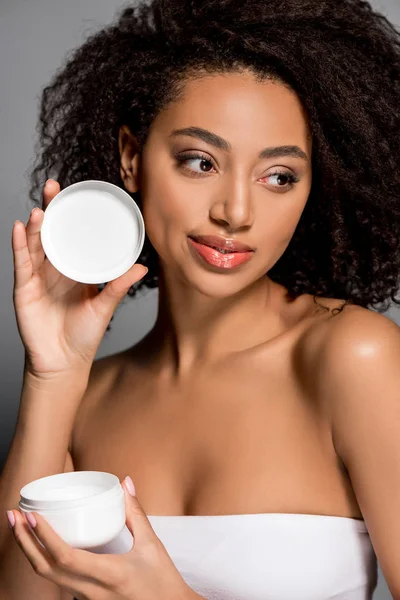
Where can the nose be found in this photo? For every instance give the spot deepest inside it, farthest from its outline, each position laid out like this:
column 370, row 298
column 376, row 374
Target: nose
column 234, row 208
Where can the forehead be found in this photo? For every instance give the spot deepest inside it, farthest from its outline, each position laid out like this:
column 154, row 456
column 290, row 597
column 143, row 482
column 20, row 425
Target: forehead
column 238, row 102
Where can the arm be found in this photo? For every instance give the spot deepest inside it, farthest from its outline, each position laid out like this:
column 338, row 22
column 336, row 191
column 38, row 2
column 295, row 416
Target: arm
column 39, row 448
column 359, row 376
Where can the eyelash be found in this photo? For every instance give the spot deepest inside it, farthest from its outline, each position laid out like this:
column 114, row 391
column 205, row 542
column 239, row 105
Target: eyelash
column 182, row 158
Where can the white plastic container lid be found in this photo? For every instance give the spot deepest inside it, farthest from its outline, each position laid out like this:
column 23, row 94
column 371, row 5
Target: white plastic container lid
column 92, row 231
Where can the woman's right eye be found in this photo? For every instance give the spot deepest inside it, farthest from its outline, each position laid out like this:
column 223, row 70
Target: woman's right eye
column 204, row 161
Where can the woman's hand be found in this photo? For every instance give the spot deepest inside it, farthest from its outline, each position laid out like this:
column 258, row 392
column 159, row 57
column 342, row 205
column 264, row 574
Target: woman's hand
column 144, row 573
column 61, row 322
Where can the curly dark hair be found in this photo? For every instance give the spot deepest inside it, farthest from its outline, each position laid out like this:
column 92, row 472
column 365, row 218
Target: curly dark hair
column 342, row 59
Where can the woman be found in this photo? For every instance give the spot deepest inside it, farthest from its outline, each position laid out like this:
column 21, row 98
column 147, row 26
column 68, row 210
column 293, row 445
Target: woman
column 257, row 418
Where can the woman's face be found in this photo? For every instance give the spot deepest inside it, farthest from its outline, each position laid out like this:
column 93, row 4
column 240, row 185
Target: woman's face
column 226, row 189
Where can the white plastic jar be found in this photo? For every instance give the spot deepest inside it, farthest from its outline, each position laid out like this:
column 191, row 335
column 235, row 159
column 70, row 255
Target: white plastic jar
column 85, row 508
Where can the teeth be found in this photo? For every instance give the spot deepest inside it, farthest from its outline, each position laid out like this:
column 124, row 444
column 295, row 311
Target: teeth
column 223, row 251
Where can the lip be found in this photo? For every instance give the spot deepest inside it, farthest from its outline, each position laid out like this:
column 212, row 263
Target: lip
column 217, row 260
column 220, row 243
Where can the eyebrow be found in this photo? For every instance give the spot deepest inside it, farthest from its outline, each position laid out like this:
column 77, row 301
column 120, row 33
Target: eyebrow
column 221, row 144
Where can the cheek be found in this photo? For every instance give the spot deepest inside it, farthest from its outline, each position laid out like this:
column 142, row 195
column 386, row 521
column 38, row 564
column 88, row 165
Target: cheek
column 277, row 227
column 172, row 204
column 155, row 223
column 167, row 220
column 281, row 224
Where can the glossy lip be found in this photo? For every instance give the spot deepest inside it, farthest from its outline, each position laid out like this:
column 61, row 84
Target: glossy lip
column 220, row 243
column 214, row 259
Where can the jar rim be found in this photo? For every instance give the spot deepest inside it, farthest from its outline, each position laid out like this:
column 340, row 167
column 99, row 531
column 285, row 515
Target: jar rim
column 33, row 492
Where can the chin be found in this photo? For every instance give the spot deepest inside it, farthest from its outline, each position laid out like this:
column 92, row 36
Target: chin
column 218, row 285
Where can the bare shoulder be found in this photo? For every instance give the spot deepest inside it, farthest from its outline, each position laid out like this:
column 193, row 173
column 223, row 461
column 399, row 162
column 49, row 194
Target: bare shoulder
column 352, row 360
column 357, row 376
column 337, row 348
column 354, row 330
column 357, row 332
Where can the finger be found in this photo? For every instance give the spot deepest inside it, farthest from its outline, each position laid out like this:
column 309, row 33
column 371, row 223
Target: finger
column 21, row 255
column 37, row 556
column 136, row 519
column 92, row 290
column 23, row 266
column 51, row 188
column 74, row 561
column 33, row 239
column 111, row 295
column 44, row 565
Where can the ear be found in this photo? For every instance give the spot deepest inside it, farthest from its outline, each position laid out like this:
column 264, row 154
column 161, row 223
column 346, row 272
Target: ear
column 129, row 151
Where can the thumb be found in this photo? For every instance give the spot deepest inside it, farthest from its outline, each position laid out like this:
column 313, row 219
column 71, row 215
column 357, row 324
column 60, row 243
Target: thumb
column 136, row 519
column 105, row 302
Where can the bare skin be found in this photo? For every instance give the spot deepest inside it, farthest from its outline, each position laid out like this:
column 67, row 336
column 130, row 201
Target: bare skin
column 214, row 411
column 246, row 436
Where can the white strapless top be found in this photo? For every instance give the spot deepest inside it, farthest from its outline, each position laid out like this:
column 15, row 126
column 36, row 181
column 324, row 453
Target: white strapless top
column 271, row 556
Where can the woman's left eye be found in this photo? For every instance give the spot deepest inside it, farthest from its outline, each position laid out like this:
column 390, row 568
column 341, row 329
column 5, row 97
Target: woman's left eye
column 284, row 175
column 205, row 161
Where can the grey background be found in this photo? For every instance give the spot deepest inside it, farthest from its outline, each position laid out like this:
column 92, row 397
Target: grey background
column 34, row 38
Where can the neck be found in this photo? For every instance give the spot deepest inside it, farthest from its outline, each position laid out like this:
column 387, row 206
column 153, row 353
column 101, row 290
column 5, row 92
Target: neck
column 193, row 330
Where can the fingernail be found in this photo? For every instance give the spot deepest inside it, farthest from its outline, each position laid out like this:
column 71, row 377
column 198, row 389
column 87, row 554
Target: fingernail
column 11, row 518
column 31, row 519
column 130, row 486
